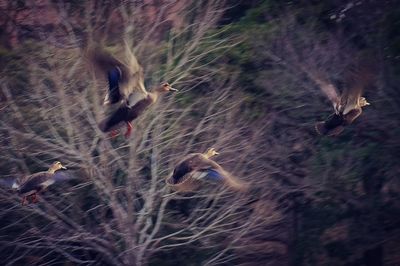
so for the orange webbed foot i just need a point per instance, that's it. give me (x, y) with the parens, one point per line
(34, 198)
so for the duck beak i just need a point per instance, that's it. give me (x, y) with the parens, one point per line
(367, 103)
(216, 153)
(63, 167)
(173, 89)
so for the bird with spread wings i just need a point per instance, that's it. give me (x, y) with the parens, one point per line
(347, 105)
(29, 186)
(197, 168)
(126, 91)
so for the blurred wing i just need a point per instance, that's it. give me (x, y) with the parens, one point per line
(102, 60)
(61, 176)
(207, 175)
(7, 182)
(219, 176)
(135, 75)
(356, 81)
(105, 60)
(326, 87)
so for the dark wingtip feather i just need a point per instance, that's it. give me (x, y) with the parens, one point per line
(7, 182)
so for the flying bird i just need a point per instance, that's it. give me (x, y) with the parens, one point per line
(30, 186)
(196, 168)
(347, 106)
(126, 91)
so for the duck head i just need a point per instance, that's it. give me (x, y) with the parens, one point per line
(363, 102)
(165, 87)
(211, 152)
(56, 166)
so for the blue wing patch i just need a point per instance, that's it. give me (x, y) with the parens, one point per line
(114, 77)
(213, 175)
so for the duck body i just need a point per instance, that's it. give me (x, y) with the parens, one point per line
(36, 183)
(336, 122)
(347, 105)
(129, 110)
(126, 114)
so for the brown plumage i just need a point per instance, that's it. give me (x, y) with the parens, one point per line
(126, 87)
(126, 113)
(29, 186)
(347, 106)
(196, 168)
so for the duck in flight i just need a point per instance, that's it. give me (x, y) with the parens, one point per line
(196, 168)
(29, 186)
(347, 106)
(126, 90)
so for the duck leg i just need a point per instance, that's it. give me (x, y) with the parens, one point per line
(34, 198)
(114, 133)
(128, 130)
(24, 200)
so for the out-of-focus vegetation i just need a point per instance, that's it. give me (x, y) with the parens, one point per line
(314, 200)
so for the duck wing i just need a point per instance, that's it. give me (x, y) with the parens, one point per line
(7, 182)
(198, 167)
(219, 176)
(34, 182)
(63, 175)
(134, 72)
(356, 81)
(325, 86)
(125, 75)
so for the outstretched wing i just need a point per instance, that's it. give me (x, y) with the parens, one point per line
(122, 68)
(63, 176)
(326, 87)
(135, 77)
(356, 81)
(7, 182)
(222, 176)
